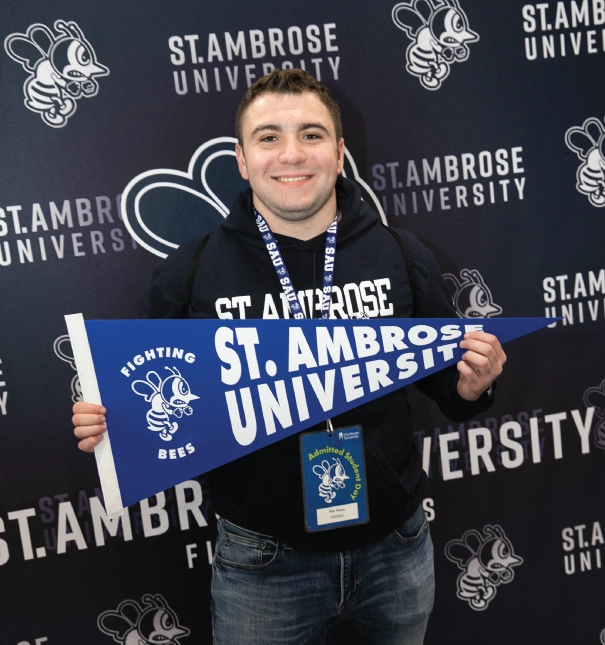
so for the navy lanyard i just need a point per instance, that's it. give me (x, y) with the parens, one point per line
(284, 276)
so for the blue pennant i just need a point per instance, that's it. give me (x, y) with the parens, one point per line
(186, 396)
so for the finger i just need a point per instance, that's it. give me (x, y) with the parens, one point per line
(488, 345)
(470, 384)
(465, 369)
(82, 407)
(490, 339)
(500, 353)
(88, 445)
(481, 363)
(479, 348)
(481, 335)
(82, 432)
(88, 419)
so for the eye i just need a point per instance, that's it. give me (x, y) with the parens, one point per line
(82, 55)
(167, 621)
(457, 24)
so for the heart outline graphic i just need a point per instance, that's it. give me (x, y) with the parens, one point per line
(195, 181)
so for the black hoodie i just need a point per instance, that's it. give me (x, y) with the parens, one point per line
(235, 278)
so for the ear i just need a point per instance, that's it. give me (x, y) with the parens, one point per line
(241, 161)
(341, 155)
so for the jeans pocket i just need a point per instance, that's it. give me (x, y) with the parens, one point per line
(413, 528)
(243, 549)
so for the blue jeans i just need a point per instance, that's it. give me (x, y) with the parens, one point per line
(266, 593)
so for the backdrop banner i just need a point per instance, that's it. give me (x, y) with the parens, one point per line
(475, 126)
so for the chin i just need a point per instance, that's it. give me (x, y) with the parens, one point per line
(293, 211)
(295, 214)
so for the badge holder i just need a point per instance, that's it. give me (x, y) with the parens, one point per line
(334, 478)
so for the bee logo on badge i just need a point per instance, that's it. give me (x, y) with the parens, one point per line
(332, 478)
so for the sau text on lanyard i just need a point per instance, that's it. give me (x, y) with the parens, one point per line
(284, 276)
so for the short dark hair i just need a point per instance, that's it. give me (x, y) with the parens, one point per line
(288, 81)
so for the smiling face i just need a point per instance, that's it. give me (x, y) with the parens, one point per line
(291, 158)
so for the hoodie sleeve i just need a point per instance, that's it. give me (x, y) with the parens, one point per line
(435, 301)
(168, 295)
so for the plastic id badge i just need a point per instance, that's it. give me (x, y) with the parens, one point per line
(334, 479)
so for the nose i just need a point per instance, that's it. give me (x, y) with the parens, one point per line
(292, 151)
(95, 68)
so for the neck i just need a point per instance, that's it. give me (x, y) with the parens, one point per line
(304, 229)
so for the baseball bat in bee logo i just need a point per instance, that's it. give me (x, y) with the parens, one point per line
(132, 624)
(588, 142)
(62, 68)
(440, 36)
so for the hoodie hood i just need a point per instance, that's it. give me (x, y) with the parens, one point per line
(357, 217)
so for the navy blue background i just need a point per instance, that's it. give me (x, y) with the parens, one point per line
(136, 123)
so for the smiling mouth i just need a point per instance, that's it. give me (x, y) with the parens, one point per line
(287, 179)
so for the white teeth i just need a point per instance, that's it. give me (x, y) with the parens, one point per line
(293, 178)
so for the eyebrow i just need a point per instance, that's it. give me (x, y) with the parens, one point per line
(313, 126)
(277, 128)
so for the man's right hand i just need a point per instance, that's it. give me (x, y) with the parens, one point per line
(89, 422)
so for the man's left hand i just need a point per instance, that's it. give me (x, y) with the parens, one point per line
(481, 364)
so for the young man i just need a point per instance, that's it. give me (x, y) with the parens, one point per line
(273, 582)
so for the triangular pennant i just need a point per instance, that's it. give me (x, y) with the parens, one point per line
(186, 396)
